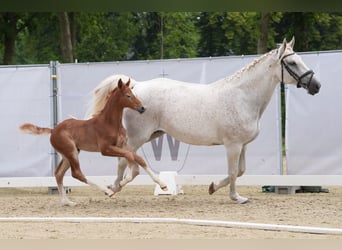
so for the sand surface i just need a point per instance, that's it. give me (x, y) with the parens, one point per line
(304, 209)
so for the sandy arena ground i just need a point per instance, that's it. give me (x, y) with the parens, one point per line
(303, 209)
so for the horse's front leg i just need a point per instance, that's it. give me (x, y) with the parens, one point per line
(234, 158)
(234, 164)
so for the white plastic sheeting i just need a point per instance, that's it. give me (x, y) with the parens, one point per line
(24, 97)
(76, 81)
(313, 124)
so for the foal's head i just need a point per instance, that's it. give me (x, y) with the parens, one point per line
(128, 99)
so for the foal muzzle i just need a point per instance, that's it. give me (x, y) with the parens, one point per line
(141, 109)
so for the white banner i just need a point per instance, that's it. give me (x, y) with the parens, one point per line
(76, 81)
(313, 123)
(24, 97)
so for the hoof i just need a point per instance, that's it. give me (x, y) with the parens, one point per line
(114, 189)
(211, 188)
(68, 203)
(110, 193)
(243, 200)
(164, 188)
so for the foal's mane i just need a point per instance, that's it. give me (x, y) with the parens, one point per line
(106, 100)
(102, 92)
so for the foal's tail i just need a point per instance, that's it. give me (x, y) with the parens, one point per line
(29, 128)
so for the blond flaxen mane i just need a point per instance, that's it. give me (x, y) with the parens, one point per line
(101, 93)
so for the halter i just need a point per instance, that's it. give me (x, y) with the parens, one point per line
(294, 75)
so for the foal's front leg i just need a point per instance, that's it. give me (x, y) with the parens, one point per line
(125, 156)
(149, 171)
(131, 158)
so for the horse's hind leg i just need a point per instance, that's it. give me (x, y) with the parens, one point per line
(62, 167)
(242, 162)
(120, 175)
(132, 172)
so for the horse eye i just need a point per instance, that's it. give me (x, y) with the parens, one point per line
(292, 63)
(128, 96)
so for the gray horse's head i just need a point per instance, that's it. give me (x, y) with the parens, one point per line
(294, 70)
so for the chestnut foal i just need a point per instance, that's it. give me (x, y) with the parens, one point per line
(103, 133)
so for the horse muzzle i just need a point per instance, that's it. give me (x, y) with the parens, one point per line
(314, 87)
(309, 82)
(141, 109)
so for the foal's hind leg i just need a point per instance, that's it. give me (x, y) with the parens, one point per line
(77, 173)
(63, 166)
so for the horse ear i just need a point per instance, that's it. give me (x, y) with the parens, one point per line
(129, 81)
(120, 83)
(291, 43)
(282, 48)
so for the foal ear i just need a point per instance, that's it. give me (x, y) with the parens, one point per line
(120, 83)
(129, 81)
(282, 48)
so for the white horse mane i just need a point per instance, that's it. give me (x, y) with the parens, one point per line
(238, 73)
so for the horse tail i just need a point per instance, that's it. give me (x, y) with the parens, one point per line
(32, 129)
(101, 92)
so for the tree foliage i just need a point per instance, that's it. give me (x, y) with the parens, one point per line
(165, 35)
(29, 38)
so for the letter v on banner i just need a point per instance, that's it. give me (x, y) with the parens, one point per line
(157, 146)
(165, 155)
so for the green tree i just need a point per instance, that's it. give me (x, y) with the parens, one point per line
(39, 42)
(227, 33)
(11, 24)
(105, 36)
(313, 31)
(266, 32)
(165, 35)
(147, 43)
(27, 38)
(180, 35)
(66, 37)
